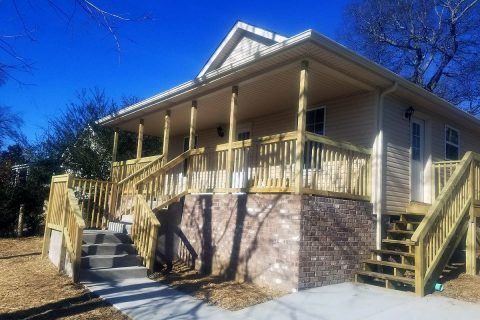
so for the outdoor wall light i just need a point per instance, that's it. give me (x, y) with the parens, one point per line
(409, 113)
(220, 132)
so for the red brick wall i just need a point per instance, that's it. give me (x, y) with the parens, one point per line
(336, 235)
(246, 237)
(286, 242)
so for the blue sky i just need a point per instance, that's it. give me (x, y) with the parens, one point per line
(155, 55)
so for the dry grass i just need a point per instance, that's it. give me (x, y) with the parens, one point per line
(464, 287)
(31, 287)
(230, 295)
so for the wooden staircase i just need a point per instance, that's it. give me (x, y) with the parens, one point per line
(393, 266)
(418, 247)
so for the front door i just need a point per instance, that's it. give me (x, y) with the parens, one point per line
(417, 163)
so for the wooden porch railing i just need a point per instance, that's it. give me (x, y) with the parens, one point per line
(336, 168)
(331, 168)
(96, 200)
(261, 165)
(126, 189)
(167, 184)
(73, 233)
(442, 171)
(64, 215)
(122, 169)
(445, 223)
(145, 231)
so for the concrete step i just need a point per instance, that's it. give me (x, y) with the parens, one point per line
(110, 261)
(107, 249)
(102, 236)
(113, 274)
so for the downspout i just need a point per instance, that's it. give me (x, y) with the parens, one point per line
(380, 163)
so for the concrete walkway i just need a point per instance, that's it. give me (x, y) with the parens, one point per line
(146, 299)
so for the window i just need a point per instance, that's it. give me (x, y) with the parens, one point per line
(243, 135)
(416, 140)
(451, 143)
(186, 142)
(315, 124)
(316, 120)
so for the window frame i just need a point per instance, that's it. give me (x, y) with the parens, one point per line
(451, 143)
(317, 107)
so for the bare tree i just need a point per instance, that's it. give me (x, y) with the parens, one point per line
(11, 60)
(10, 124)
(433, 43)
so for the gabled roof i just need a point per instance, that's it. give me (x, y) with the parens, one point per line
(310, 45)
(242, 41)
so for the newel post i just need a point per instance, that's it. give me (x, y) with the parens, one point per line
(471, 242)
(61, 263)
(301, 124)
(232, 131)
(420, 269)
(140, 139)
(166, 137)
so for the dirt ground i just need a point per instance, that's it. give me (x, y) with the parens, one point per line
(464, 287)
(31, 287)
(230, 295)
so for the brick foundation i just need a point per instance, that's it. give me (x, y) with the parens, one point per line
(336, 235)
(283, 241)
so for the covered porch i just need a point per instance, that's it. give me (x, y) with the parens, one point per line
(289, 129)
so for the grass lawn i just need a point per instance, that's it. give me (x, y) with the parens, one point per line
(31, 287)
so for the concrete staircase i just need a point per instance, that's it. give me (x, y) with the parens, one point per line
(108, 255)
(396, 267)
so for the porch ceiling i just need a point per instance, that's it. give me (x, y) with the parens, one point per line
(264, 94)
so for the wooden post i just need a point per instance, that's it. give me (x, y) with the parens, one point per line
(193, 124)
(191, 141)
(166, 136)
(471, 242)
(48, 231)
(140, 139)
(114, 152)
(419, 269)
(232, 131)
(61, 263)
(20, 220)
(301, 124)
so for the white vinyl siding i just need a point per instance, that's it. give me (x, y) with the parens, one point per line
(397, 148)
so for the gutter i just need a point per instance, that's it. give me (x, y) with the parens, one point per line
(380, 163)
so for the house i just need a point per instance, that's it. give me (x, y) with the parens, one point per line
(292, 162)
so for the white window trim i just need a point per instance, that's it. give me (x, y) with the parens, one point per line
(316, 107)
(445, 141)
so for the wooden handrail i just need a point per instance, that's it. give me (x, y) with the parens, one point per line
(440, 231)
(135, 160)
(337, 143)
(172, 163)
(157, 161)
(145, 231)
(434, 211)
